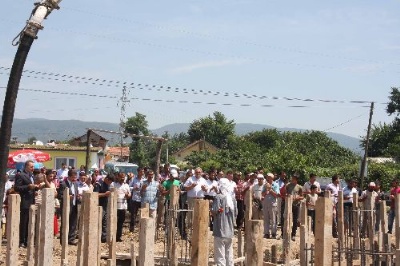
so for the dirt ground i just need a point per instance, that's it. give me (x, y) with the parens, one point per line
(128, 238)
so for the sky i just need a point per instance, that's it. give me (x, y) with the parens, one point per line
(296, 64)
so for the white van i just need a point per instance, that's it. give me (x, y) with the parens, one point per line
(122, 167)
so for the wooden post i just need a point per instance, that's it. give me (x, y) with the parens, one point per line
(323, 231)
(112, 226)
(248, 203)
(91, 200)
(273, 254)
(304, 234)
(146, 241)
(46, 235)
(13, 215)
(397, 220)
(341, 233)
(99, 230)
(30, 253)
(82, 240)
(240, 245)
(88, 142)
(382, 224)
(356, 226)
(288, 221)
(199, 252)
(133, 254)
(39, 226)
(388, 248)
(397, 259)
(171, 214)
(65, 227)
(254, 243)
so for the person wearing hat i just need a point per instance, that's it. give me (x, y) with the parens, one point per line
(368, 198)
(172, 180)
(224, 212)
(270, 193)
(257, 197)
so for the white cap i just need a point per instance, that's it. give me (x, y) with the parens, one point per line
(174, 173)
(271, 175)
(260, 176)
(372, 184)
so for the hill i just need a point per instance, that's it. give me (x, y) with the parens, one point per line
(45, 130)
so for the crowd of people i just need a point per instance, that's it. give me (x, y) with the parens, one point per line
(225, 191)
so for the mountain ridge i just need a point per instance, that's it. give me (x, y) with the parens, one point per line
(45, 130)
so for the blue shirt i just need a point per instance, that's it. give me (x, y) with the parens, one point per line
(150, 195)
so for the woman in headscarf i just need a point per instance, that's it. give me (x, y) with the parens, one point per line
(224, 212)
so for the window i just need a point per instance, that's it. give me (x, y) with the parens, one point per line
(69, 161)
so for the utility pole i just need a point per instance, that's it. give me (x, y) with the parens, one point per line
(364, 161)
(25, 40)
(167, 161)
(123, 101)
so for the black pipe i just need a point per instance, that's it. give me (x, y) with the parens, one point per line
(9, 107)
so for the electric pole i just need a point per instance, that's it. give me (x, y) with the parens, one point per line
(364, 161)
(123, 101)
(24, 41)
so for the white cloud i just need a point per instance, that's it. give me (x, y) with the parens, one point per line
(209, 64)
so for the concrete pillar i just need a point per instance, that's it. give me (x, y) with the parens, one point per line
(81, 228)
(171, 214)
(323, 232)
(145, 211)
(31, 251)
(254, 243)
(199, 252)
(90, 220)
(356, 225)
(39, 226)
(304, 235)
(341, 233)
(99, 227)
(65, 227)
(112, 226)
(397, 220)
(287, 226)
(14, 201)
(146, 241)
(46, 235)
(133, 254)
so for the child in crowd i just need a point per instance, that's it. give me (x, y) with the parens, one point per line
(311, 200)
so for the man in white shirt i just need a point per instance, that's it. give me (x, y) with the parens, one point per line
(123, 193)
(62, 173)
(334, 188)
(212, 185)
(257, 197)
(195, 186)
(135, 204)
(308, 184)
(348, 192)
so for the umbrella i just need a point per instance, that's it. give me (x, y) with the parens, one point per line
(25, 155)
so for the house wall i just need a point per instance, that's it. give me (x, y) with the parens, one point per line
(198, 147)
(79, 156)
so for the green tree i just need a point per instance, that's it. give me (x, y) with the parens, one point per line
(385, 138)
(31, 140)
(215, 129)
(138, 125)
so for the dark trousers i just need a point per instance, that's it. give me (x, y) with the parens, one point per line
(295, 213)
(240, 215)
(23, 226)
(182, 220)
(311, 213)
(120, 222)
(73, 223)
(135, 207)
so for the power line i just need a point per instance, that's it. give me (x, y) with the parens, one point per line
(159, 88)
(343, 123)
(219, 38)
(170, 101)
(219, 54)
